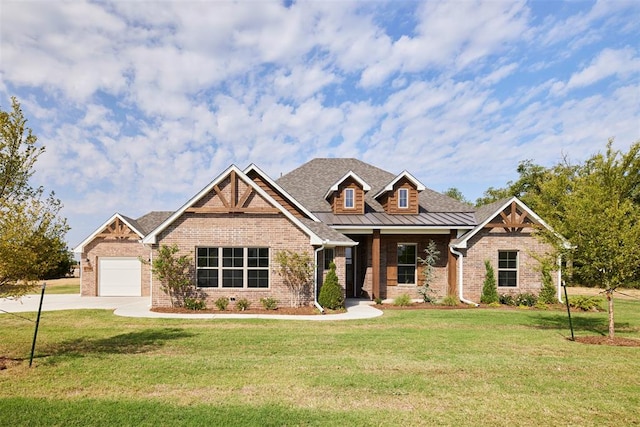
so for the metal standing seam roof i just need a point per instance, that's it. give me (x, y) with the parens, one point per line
(425, 219)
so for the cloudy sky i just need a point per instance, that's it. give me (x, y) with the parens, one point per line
(140, 104)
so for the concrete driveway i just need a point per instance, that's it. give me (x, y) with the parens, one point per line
(139, 307)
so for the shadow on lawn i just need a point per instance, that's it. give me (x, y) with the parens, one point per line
(129, 343)
(598, 325)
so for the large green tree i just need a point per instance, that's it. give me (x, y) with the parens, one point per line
(31, 228)
(596, 206)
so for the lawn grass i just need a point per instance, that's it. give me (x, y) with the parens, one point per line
(421, 367)
(69, 285)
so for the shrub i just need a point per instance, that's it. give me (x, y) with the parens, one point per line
(378, 300)
(494, 304)
(431, 255)
(507, 299)
(331, 293)
(586, 303)
(548, 291)
(243, 304)
(195, 303)
(402, 300)
(526, 299)
(269, 303)
(296, 270)
(541, 305)
(450, 301)
(174, 274)
(222, 303)
(489, 287)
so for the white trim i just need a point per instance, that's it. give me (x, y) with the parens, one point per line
(366, 187)
(389, 187)
(152, 236)
(80, 248)
(352, 192)
(463, 243)
(253, 167)
(406, 198)
(393, 229)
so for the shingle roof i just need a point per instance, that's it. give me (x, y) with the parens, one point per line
(310, 182)
(150, 221)
(484, 212)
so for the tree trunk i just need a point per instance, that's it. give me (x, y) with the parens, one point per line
(609, 294)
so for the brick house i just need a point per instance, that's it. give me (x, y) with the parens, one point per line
(372, 223)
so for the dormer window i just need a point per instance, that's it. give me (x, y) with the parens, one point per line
(403, 198)
(348, 198)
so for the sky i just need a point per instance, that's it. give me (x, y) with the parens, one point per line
(140, 104)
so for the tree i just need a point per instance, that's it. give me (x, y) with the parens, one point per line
(296, 270)
(331, 295)
(455, 193)
(29, 222)
(431, 256)
(174, 273)
(489, 288)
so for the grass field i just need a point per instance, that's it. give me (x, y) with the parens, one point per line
(420, 367)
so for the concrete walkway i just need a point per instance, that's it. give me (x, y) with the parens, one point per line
(139, 307)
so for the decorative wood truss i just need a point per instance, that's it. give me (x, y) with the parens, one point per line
(118, 230)
(512, 220)
(233, 201)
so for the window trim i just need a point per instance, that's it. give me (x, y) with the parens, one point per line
(245, 268)
(405, 199)
(349, 195)
(415, 264)
(515, 269)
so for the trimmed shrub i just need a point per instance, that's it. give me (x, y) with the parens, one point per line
(331, 293)
(222, 303)
(269, 303)
(450, 301)
(526, 299)
(507, 299)
(243, 304)
(489, 287)
(402, 300)
(586, 303)
(195, 303)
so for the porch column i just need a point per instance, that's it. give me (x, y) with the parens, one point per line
(375, 264)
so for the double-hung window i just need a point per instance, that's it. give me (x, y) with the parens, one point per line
(508, 268)
(406, 264)
(348, 198)
(219, 267)
(403, 198)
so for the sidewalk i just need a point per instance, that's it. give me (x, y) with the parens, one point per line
(139, 307)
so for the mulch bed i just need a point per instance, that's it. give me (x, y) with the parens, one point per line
(280, 310)
(605, 340)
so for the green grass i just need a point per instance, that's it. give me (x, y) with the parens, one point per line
(430, 367)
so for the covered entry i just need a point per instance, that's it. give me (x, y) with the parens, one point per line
(119, 277)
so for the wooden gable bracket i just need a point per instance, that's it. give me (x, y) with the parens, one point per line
(513, 221)
(235, 204)
(118, 230)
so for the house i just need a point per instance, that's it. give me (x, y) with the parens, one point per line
(375, 225)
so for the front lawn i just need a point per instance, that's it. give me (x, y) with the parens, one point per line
(416, 367)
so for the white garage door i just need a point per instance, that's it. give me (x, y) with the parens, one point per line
(119, 277)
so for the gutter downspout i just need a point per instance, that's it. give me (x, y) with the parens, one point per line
(315, 279)
(460, 278)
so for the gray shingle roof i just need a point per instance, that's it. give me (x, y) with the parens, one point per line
(484, 212)
(309, 183)
(150, 221)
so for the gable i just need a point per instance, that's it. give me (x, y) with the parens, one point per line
(512, 218)
(348, 190)
(390, 200)
(118, 230)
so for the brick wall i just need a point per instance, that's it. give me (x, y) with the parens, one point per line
(485, 246)
(274, 231)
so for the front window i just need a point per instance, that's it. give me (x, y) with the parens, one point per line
(406, 264)
(403, 198)
(508, 268)
(232, 267)
(348, 198)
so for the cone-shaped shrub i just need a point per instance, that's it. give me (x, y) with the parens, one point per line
(331, 292)
(489, 288)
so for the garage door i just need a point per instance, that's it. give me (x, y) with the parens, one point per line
(119, 277)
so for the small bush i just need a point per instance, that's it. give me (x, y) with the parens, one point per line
(195, 303)
(402, 300)
(541, 305)
(269, 303)
(222, 303)
(243, 304)
(507, 299)
(586, 303)
(494, 304)
(489, 287)
(378, 300)
(450, 301)
(548, 294)
(331, 292)
(526, 299)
